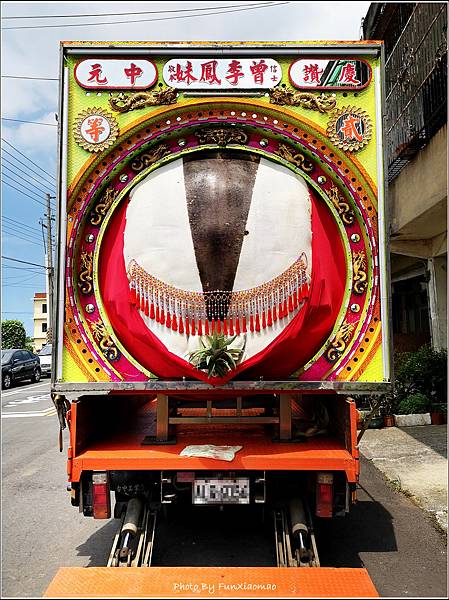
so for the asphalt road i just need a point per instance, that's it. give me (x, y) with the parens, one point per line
(396, 542)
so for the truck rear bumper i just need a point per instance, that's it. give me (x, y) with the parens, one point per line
(223, 582)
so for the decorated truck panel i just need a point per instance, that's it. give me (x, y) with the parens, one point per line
(228, 194)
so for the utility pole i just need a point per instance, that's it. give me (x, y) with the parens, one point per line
(50, 273)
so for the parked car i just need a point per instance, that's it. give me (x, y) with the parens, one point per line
(45, 358)
(18, 365)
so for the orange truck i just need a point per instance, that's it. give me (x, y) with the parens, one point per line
(221, 297)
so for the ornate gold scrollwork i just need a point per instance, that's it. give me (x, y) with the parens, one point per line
(124, 103)
(105, 341)
(343, 208)
(339, 343)
(360, 277)
(149, 157)
(85, 277)
(321, 102)
(221, 136)
(99, 211)
(296, 158)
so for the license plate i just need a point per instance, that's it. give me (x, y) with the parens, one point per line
(221, 491)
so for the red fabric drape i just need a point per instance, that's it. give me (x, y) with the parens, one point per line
(291, 349)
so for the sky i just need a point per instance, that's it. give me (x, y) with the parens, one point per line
(33, 51)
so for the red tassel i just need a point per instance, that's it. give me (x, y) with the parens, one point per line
(142, 304)
(162, 321)
(168, 320)
(270, 318)
(133, 296)
(231, 326)
(206, 327)
(290, 304)
(237, 326)
(275, 316)
(200, 327)
(181, 325)
(280, 312)
(257, 322)
(213, 326)
(295, 301)
(251, 323)
(158, 318)
(218, 326)
(146, 308)
(187, 326)
(174, 323)
(285, 308)
(225, 327)
(192, 327)
(244, 324)
(264, 320)
(152, 311)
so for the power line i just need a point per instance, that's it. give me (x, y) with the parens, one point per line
(35, 78)
(17, 171)
(223, 12)
(32, 162)
(25, 262)
(145, 12)
(24, 239)
(21, 184)
(32, 122)
(21, 268)
(19, 224)
(15, 229)
(21, 192)
(26, 166)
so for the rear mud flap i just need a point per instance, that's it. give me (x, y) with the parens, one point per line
(221, 582)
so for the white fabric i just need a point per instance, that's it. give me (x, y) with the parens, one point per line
(210, 451)
(157, 236)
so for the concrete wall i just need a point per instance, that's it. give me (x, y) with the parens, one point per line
(418, 227)
(418, 196)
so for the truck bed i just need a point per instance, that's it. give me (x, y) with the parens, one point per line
(122, 449)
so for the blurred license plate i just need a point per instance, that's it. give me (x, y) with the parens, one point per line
(221, 491)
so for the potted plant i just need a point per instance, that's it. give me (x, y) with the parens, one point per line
(413, 410)
(438, 413)
(387, 410)
(216, 356)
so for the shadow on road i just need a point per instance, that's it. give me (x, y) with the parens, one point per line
(367, 528)
(98, 545)
(434, 437)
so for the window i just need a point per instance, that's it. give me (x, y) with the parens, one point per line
(44, 327)
(44, 308)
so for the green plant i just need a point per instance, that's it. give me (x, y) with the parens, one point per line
(216, 357)
(423, 371)
(13, 334)
(414, 404)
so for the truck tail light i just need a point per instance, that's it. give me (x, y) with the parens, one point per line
(101, 496)
(324, 494)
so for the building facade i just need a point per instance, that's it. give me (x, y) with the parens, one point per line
(40, 320)
(416, 150)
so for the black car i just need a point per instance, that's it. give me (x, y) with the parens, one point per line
(18, 365)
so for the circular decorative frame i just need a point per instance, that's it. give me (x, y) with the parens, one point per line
(276, 135)
(354, 145)
(90, 146)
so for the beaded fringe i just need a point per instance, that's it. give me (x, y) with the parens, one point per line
(229, 313)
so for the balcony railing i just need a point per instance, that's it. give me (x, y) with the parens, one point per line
(416, 85)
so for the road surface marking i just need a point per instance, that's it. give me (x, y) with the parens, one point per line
(48, 412)
(24, 389)
(28, 400)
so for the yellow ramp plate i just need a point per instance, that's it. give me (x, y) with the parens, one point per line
(223, 582)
